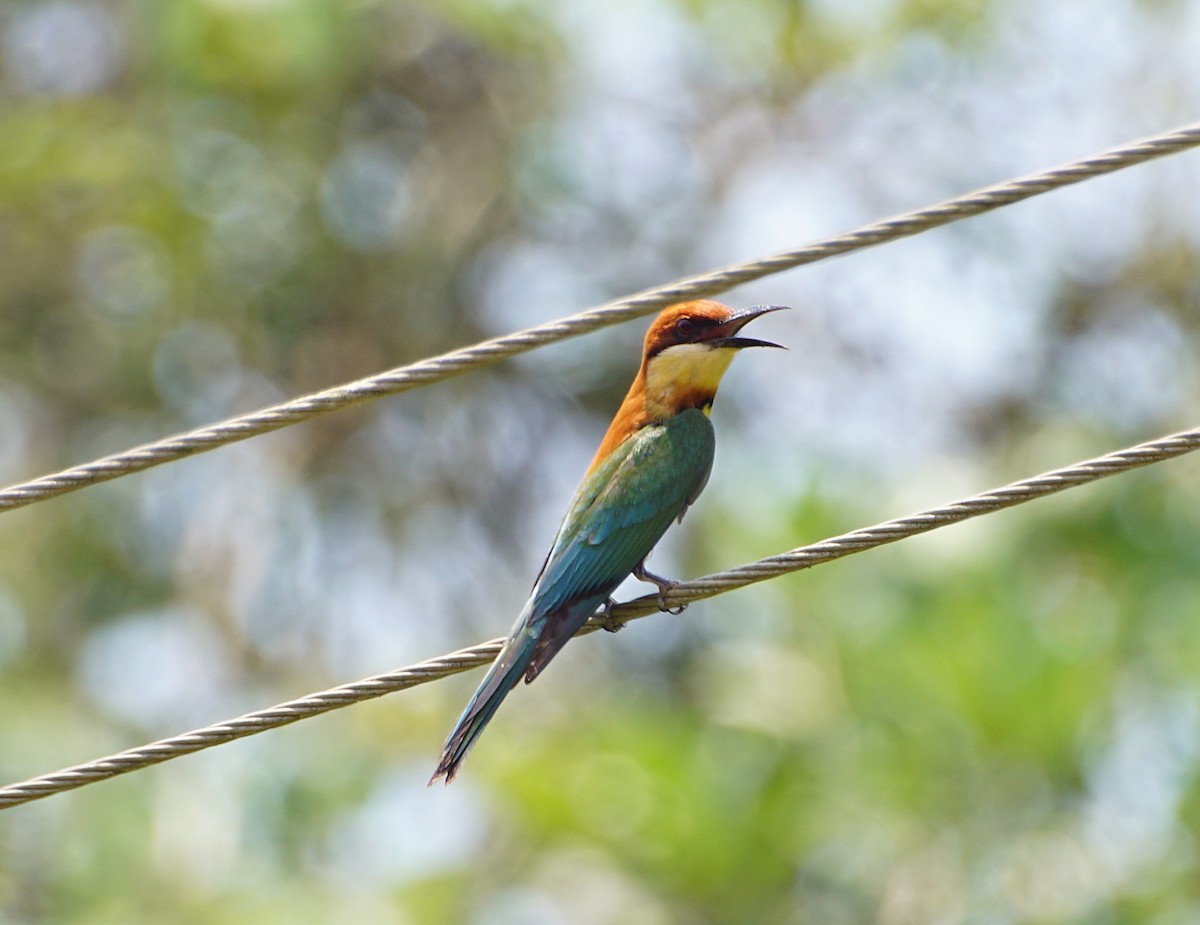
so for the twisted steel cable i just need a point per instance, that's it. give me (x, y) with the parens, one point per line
(708, 586)
(492, 351)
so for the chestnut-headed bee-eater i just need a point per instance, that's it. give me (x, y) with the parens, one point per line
(651, 465)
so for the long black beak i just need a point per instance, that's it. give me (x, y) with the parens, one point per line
(724, 334)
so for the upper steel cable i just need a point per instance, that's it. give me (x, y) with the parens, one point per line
(710, 585)
(488, 352)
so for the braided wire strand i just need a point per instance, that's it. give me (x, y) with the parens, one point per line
(708, 586)
(891, 531)
(486, 353)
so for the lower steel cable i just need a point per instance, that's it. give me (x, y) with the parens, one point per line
(710, 585)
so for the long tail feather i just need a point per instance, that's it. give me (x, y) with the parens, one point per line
(551, 640)
(501, 678)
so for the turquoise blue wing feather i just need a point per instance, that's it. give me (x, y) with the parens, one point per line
(620, 513)
(624, 507)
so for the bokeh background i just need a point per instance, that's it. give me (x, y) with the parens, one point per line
(207, 206)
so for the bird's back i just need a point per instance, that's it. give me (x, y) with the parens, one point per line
(618, 514)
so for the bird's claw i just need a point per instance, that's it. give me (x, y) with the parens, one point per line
(609, 621)
(667, 608)
(664, 586)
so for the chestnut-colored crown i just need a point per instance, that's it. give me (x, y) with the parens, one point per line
(685, 323)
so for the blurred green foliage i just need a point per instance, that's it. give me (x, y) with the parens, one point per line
(209, 205)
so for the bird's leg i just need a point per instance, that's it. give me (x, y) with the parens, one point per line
(641, 573)
(609, 622)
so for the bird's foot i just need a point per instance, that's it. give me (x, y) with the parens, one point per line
(609, 621)
(641, 573)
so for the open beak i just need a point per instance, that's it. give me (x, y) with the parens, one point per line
(725, 334)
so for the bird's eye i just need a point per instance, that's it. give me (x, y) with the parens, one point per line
(684, 327)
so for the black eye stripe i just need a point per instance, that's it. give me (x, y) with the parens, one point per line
(689, 328)
(682, 333)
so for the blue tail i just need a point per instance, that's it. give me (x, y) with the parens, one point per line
(536, 638)
(501, 678)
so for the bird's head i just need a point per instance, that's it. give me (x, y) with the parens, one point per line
(687, 350)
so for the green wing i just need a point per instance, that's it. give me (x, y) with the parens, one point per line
(622, 510)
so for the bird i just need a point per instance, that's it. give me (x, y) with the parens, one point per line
(650, 467)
